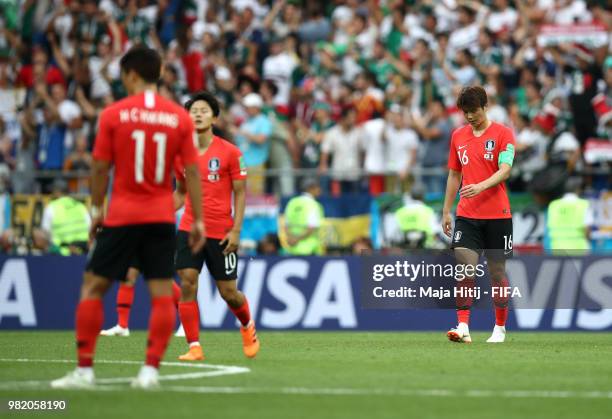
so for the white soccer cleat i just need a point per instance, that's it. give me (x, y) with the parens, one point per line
(498, 335)
(147, 378)
(79, 378)
(116, 331)
(460, 334)
(180, 332)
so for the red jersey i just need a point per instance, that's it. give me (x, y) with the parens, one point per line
(219, 165)
(142, 135)
(477, 159)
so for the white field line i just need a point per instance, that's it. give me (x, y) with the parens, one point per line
(300, 391)
(367, 392)
(214, 370)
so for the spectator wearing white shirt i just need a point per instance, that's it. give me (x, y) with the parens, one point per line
(567, 12)
(531, 145)
(402, 144)
(278, 67)
(495, 111)
(470, 17)
(463, 73)
(390, 149)
(502, 17)
(342, 143)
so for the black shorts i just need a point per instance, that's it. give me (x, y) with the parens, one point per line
(117, 248)
(221, 267)
(493, 236)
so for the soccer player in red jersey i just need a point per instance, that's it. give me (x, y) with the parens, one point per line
(125, 299)
(480, 159)
(140, 137)
(222, 173)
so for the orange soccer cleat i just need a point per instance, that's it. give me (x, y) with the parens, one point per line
(195, 353)
(250, 342)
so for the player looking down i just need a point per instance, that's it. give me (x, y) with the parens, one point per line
(480, 158)
(222, 173)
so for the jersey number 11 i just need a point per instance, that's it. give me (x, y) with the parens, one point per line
(160, 139)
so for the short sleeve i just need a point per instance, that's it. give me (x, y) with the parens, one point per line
(103, 146)
(589, 218)
(412, 140)
(47, 219)
(238, 170)
(453, 159)
(327, 145)
(264, 127)
(314, 219)
(188, 153)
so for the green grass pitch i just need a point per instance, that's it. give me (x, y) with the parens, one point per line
(328, 375)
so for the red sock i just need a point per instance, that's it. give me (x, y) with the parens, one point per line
(242, 313)
(176, 294)
(190, 317)
(500, 300)
(89, 319)
(125, 298)
(161, 324)
(464, 303)
(463, 316)
(501, 315)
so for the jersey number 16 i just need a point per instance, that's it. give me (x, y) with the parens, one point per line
(463, 157)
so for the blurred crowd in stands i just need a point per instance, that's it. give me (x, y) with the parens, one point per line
(361, 92)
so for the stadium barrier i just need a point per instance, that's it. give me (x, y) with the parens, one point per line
(349, 217)
(313, 294)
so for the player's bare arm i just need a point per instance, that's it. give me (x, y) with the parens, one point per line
(99, 185)
(498, 177)
(232, 238)
(253, 138)
(179, 195)
(452, 187)
(197, 236)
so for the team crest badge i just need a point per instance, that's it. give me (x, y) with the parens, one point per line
(489, 147)
(214, 164)
(457, 236)
(213, 168)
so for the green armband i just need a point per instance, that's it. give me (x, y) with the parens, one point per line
(506, 156)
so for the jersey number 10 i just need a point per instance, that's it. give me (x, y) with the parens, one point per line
(160, 163)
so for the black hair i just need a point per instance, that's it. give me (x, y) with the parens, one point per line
(271, 85)
(472, 98)
(146, 62)
(206, 97)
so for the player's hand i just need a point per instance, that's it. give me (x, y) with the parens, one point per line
(447, 224)
(231, 242)
(197, 237)
(469, 191)
(96, 225)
